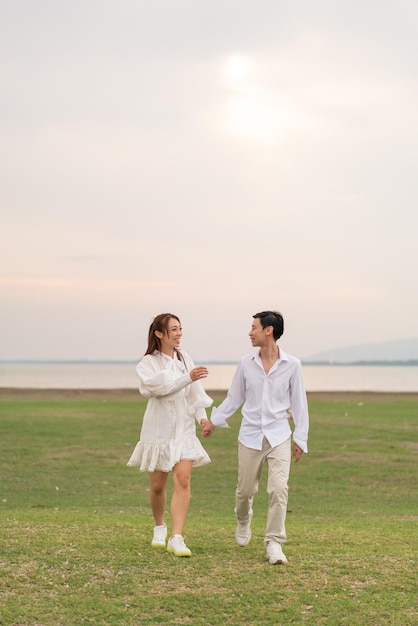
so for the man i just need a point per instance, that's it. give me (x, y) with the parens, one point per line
(270, 384)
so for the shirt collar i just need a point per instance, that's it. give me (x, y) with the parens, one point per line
(283, 356)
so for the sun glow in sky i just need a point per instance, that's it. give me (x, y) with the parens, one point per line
(237, 68)
(254, 109)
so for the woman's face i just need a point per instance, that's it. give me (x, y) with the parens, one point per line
(171, 339)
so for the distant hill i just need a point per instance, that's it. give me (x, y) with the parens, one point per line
(400, 350)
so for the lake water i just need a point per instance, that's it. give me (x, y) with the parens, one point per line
(123, 376)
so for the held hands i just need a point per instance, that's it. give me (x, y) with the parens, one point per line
(207, 427)
(198, 373)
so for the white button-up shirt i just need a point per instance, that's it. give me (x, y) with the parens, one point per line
(269, 401)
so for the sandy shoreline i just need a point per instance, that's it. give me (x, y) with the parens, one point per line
(217, 394)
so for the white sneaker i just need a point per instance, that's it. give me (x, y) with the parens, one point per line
(243, 532)
(274, 553)
(160, 536)
(177, 546)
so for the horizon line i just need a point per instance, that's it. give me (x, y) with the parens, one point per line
(358, 362)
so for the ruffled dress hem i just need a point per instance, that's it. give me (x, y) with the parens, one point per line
(151, 457)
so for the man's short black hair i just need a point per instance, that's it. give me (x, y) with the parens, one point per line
(271, 318)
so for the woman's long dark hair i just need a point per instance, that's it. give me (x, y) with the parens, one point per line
(160, 324)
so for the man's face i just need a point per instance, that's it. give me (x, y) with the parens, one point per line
(257, 333)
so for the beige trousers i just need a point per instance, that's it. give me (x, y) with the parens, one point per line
(250, 464)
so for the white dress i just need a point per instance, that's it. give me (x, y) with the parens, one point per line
(168, 432)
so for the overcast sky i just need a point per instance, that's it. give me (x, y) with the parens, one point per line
(210, 159)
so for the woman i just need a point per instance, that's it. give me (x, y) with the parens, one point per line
(168, 439)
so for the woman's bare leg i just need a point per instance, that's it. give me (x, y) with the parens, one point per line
(157, 495)
(181, 495)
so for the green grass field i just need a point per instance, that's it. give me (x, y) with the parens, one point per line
(75, 523)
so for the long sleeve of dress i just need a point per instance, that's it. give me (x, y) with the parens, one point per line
(197, 398)
(159, 383)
